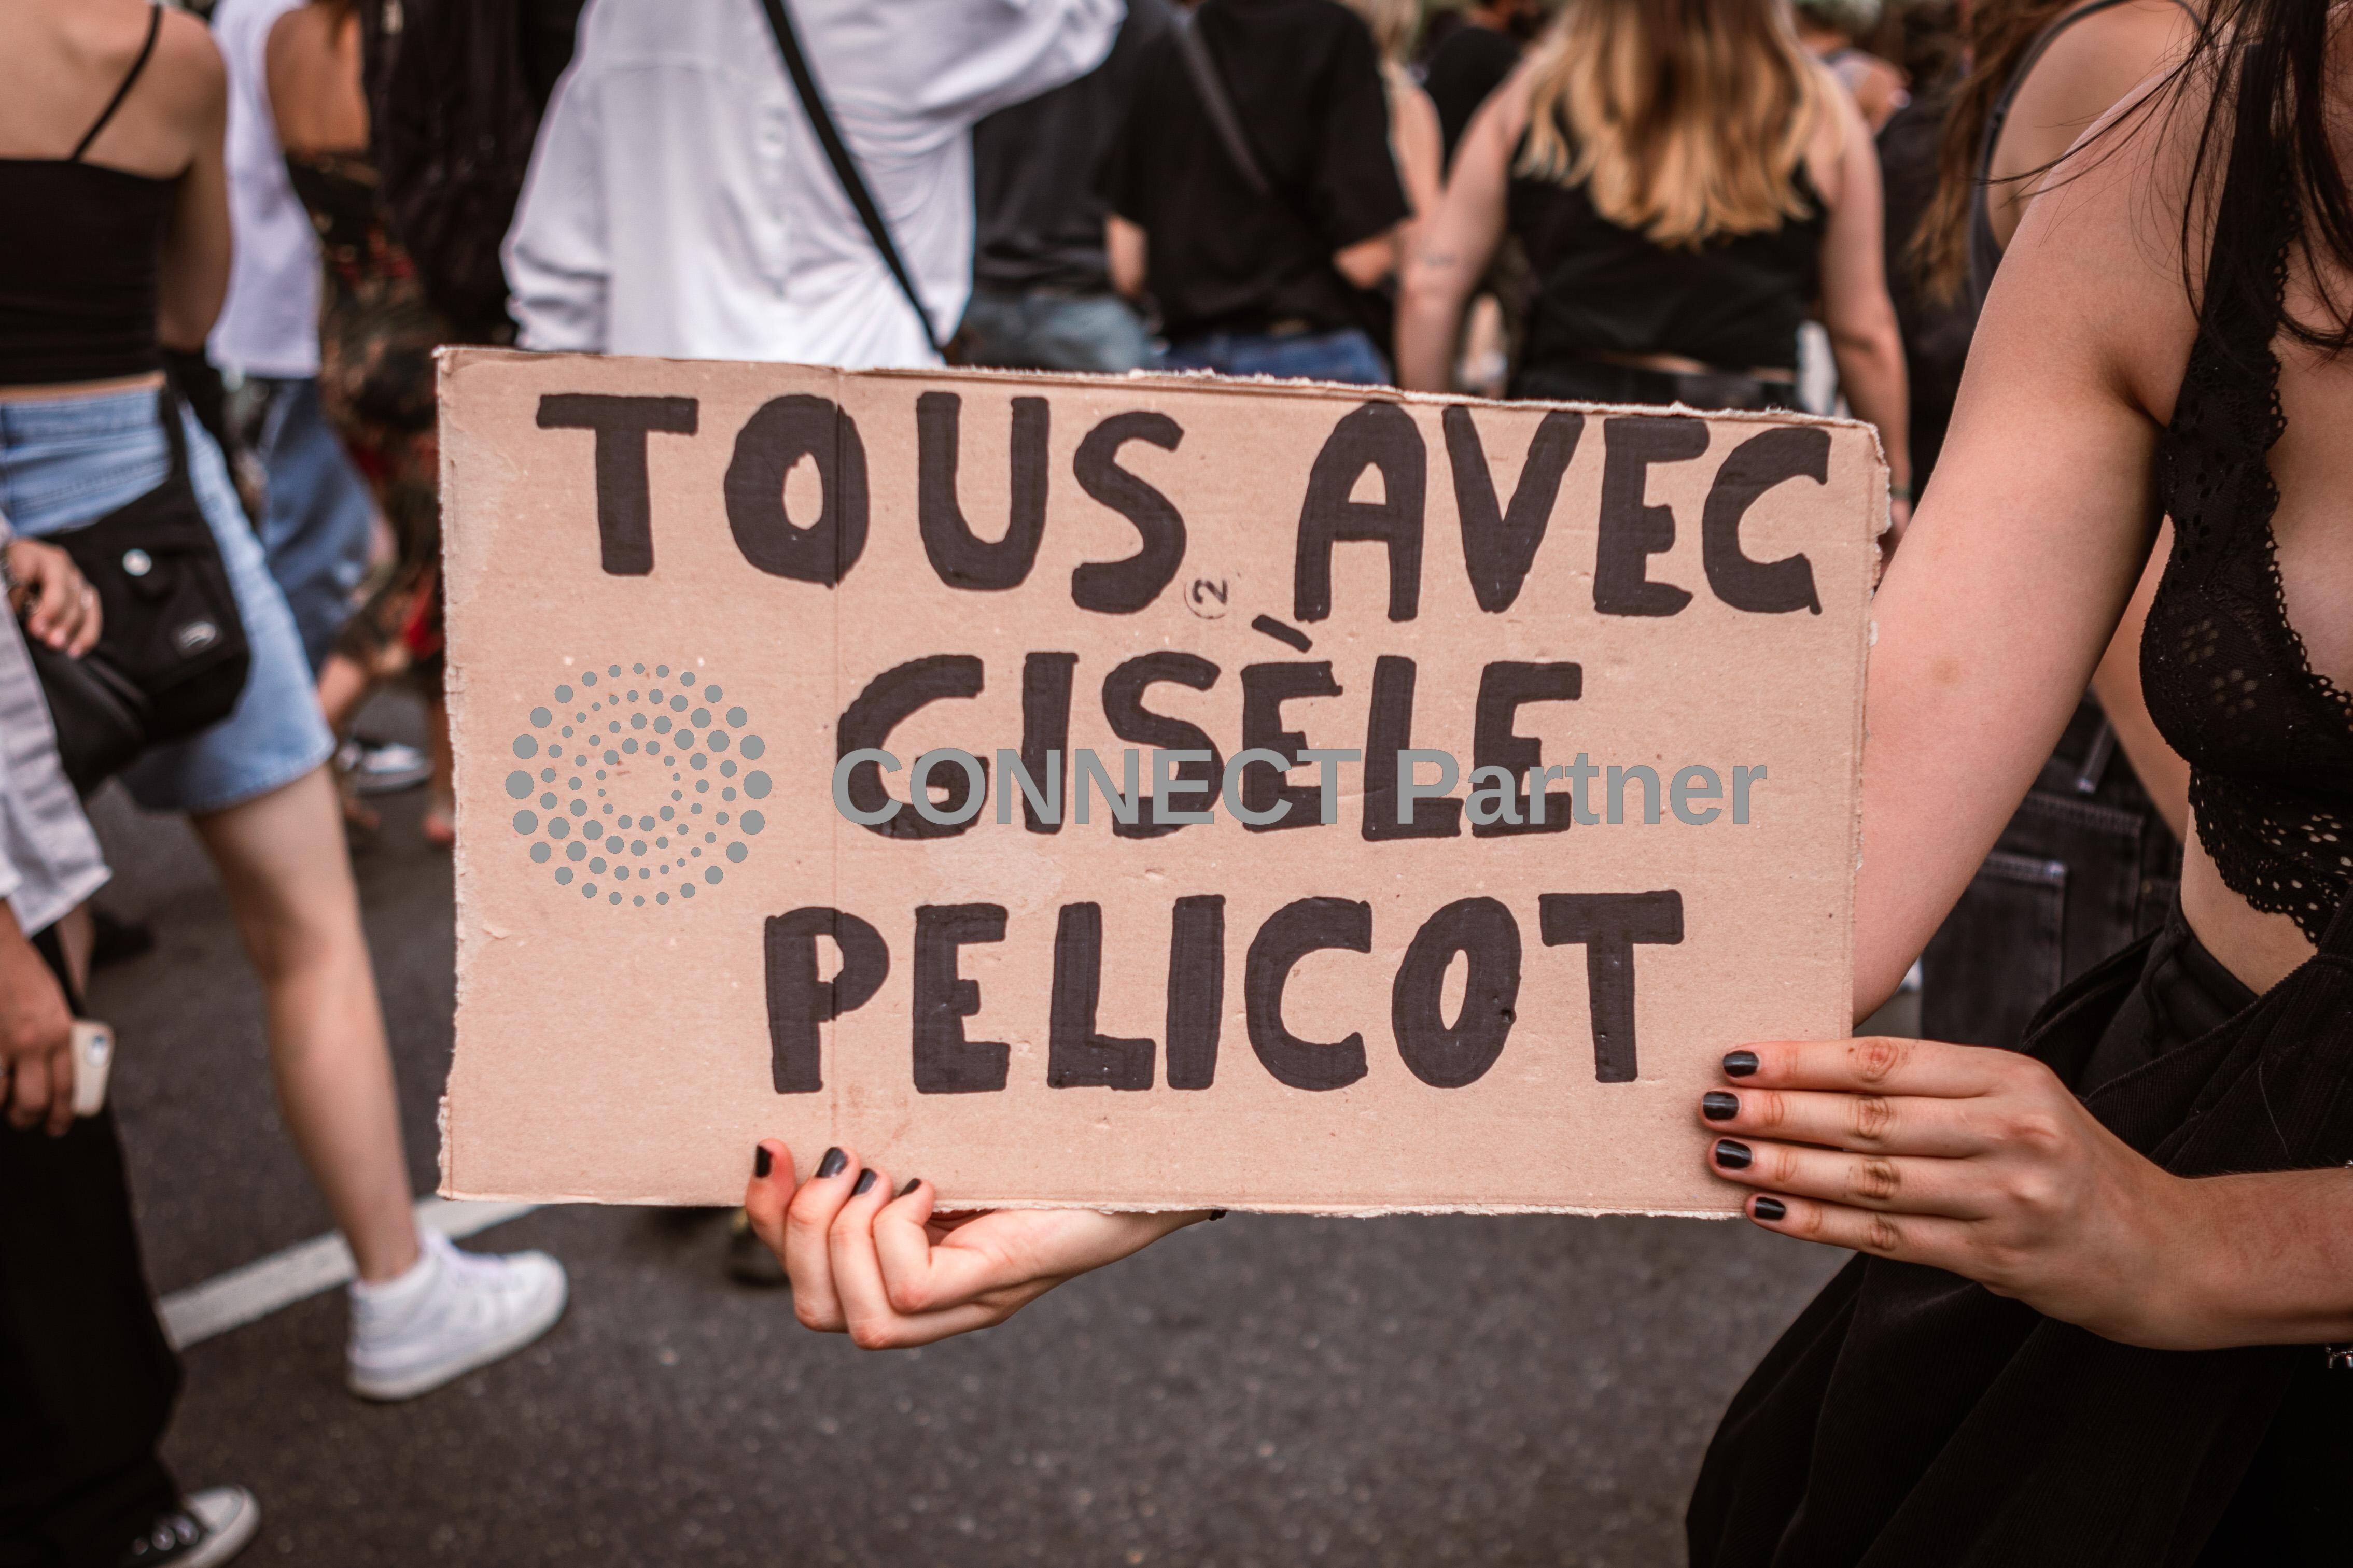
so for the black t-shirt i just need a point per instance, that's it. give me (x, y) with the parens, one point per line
(1307, 83)
(1039, 218)
(1470, 64)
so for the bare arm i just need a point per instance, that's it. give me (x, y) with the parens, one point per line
(195, 271)
(2022, 558)
(1368, 261)
(1125, 244)
(1856, 309)
(1453, 248)
(1419, 147)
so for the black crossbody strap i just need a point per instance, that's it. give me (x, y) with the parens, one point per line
(845, 167)
(1211, 89)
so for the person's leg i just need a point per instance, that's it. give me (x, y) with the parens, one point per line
(255, 787)
(283, 862)
(343, 684)
(87, 1378)
(440, 824)
(318, 520)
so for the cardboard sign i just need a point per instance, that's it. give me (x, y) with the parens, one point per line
(709, 623)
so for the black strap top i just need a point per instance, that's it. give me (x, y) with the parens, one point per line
(2269, 741)
(78, 284)
(1734, 302)
(1984, 251)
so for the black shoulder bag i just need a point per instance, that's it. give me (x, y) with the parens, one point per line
(1218, 104)
(844, 166)
(172, 657)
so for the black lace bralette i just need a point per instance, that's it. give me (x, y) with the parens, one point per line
(2269, 742)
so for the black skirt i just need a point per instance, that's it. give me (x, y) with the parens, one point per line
(1911, 1417)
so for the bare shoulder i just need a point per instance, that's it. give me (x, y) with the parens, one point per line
(2111, 249)
(2089, 66)
(1839, 138)
(188, 68)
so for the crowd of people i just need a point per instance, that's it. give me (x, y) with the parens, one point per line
(2108, 782)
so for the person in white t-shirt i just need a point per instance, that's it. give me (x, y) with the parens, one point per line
(678, 204)
(315, 518)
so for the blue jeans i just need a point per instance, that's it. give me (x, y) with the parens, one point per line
(67, 461)
(1346, 356)
(317, 520)
(1047, 330)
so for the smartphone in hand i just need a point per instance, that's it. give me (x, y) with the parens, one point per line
(93, 1058)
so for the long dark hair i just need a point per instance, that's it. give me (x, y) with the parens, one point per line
(2265, 146)
(2262, 149)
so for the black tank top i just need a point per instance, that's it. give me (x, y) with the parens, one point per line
(2269, 741)
(1985, 250)
(80, 270)
(1734, 303)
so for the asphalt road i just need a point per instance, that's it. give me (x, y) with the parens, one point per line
(1264, 1390)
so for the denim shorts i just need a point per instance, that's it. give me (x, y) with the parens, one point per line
(1347, 356)
(317, 521)
(68, 461)
(1044, 330)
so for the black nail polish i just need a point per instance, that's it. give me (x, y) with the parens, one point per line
(1217, 1214)
(762, 1161)
(1739, 1064)
(865, 1185)
(1733, 1154)
(1719, 1106)
(913, 1183)
(1770, 1208)
(833, 1165)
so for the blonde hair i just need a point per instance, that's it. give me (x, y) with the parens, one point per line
(1393, 24)
(1686, 119)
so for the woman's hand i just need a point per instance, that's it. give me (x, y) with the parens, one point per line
(1968, 1159)
(64, 607)
(874, 1262)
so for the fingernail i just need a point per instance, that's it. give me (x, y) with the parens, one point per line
(1719, 1106)
(1733, 1154)
(1768, 1208)
(762, 1161)
(1739, 1064)
(833, 1165)
(913, 1183)
(865, 1185)
(1217, 1214)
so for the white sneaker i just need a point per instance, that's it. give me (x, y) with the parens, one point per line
(209, 1529)
(452, 1313)
(382, 767)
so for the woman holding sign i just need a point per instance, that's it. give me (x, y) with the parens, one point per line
(2096, 1277)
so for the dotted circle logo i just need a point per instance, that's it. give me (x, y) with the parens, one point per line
(639, 788)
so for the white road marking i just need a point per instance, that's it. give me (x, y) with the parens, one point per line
(248, 1294)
